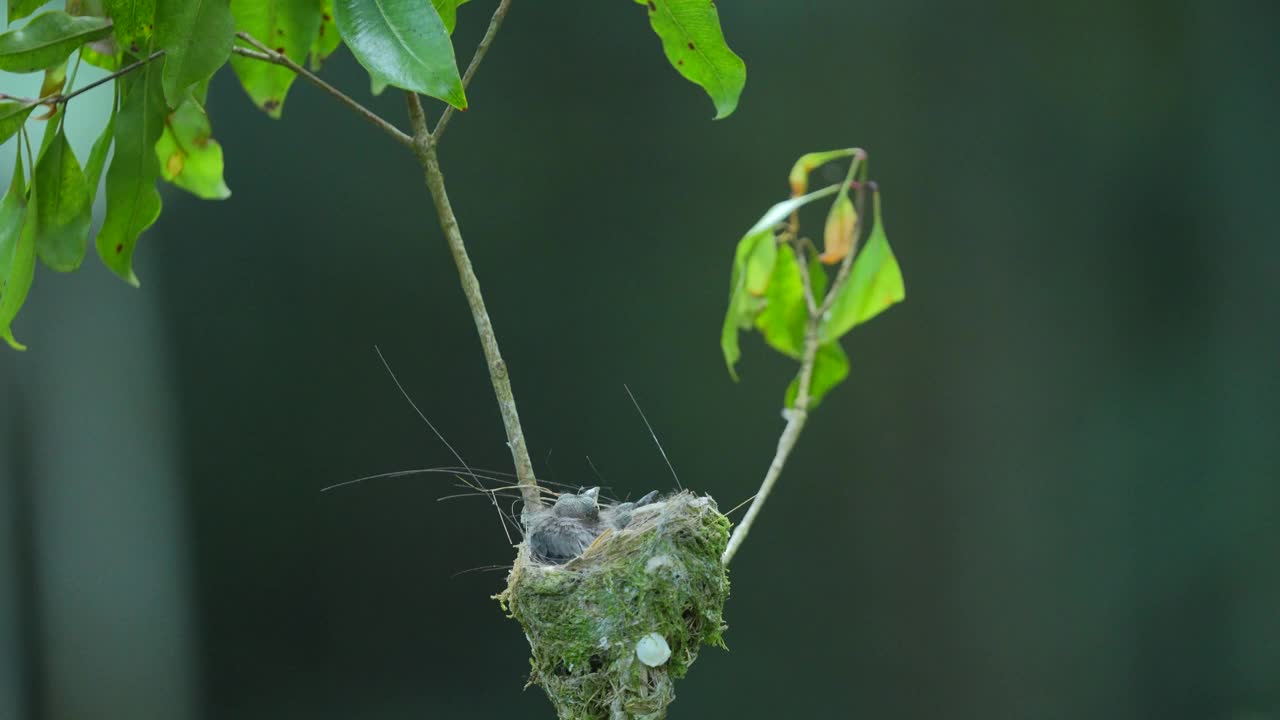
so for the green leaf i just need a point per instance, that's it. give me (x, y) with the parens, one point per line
(63, 210)
(17, 253)
(189, 157)
(196, 36)
(695, 46)
(13, 115)
(13, 209)
(448, 10)
(402, 43)
(288, 26)
(98, 156)
(753, 258)
(744, 306)
(47, 40)
(134, 22)
(786, 313)
(19, 9)
(327, 38)
(809, 162)
(133, 203)
(874, 284)
(830, 368)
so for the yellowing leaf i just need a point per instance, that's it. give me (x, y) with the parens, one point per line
(838, 235)
(809, 162)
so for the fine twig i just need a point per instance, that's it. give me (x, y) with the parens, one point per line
(62, 98)
(798, 413)
(481, 49)
(266, 54)
(425, 150)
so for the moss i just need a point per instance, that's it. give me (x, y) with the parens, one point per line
(661, 574)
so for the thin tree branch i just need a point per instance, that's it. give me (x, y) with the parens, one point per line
(498, 16)
(425, 150)
(266, 54)
(799, 412)
(61, 98)
(796, 417)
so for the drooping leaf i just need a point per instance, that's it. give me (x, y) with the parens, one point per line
(47, 40)
(12, 116)
(744, 305)
(874, 284)
(62, 211)
(189, 156)
(98, 156)
(13, 210)
(288, 26)
(695, 46)
(134, 23)
(785, 316)
(838, 233)
(830, 368)
(799, 176)
(402, 43)
(760, 261)
(17, 253)
(133, 203)
(196, 36)
(327, 37)
(19, 9)
(448, 10)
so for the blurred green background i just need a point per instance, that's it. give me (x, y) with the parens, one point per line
(1050, 489)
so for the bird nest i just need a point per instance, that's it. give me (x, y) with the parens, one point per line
(614, 625)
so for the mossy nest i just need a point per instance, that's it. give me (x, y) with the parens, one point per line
(612, 629)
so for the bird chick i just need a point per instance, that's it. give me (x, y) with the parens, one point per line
(566, 529)
(561, 533)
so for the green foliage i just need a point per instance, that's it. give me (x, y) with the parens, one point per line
(13, 114)
(162, 53)
(875, 283)
(288, 26)
(189, 156)
(47, 40)
(695, 46)
(17, 251)
(196, 36)
(19, 9)
(753, 261)
(327, 37)
(132, 201)
(63, 210)
(135, 21)
(98, 155)
(403, 43)
(830, 368)
(864, 285)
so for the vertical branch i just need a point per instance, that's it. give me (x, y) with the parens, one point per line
(799, 412)
(425, 151)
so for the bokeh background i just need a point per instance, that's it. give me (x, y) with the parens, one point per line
(1050, 489)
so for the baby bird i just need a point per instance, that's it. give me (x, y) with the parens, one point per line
(564, 531)
(560, 534)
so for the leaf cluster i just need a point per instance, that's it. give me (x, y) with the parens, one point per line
(782, 287)
(160, 56)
